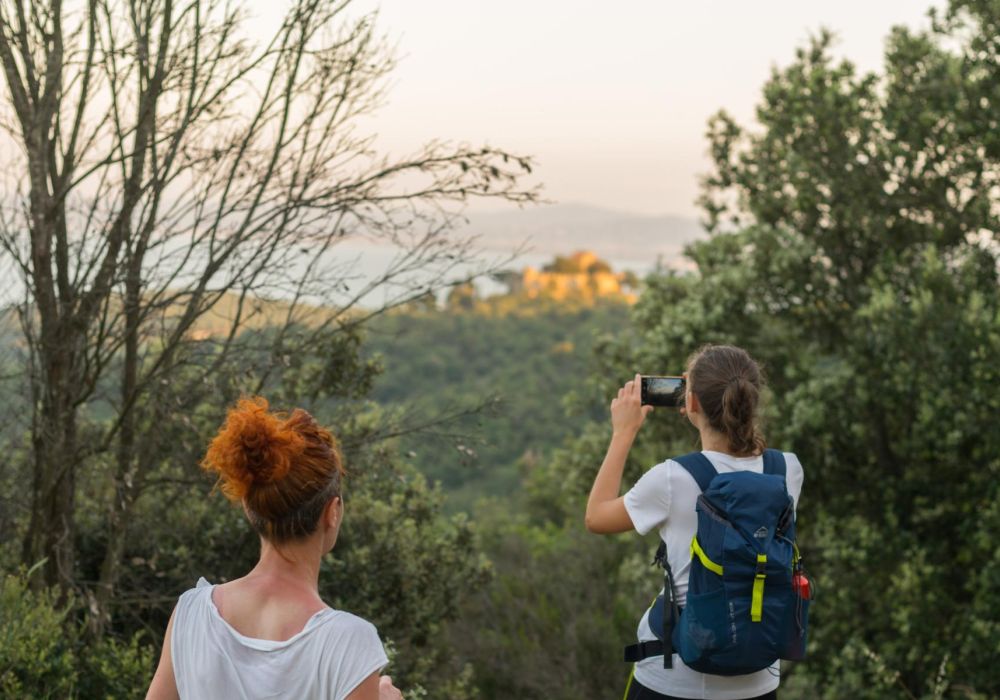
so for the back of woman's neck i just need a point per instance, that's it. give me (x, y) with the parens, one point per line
(712, 441)
(292, 564)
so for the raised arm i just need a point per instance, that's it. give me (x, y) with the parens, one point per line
(606, 512)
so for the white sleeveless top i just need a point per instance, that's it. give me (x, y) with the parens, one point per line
(328, 659)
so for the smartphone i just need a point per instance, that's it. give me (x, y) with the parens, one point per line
(663, 391)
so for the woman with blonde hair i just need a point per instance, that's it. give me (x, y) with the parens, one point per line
(269, 634)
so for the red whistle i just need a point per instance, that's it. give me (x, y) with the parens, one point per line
(800, 584)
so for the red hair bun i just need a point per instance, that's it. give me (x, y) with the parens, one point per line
(253, 448)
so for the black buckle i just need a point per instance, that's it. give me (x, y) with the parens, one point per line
(761, 567)
(660, 556)
(643, 650)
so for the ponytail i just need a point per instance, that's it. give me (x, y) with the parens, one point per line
(728, 384)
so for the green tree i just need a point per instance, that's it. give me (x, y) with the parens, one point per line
(854, 253)
(542, 629)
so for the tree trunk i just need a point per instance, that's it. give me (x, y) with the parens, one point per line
(51, 533)
(126, 473)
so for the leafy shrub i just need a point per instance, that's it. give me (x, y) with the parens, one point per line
(36, 658)
(44, 652)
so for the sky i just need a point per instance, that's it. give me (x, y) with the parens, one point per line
(612, 99)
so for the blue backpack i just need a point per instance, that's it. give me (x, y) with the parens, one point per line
(742, 612)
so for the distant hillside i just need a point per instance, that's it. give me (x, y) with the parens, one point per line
(611, 234)
(529, 354)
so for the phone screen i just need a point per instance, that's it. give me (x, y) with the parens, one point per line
(663, 391)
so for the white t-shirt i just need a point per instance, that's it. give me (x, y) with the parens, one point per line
(665, 498)
(328, 659)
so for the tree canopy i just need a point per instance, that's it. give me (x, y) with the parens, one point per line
(854, 253)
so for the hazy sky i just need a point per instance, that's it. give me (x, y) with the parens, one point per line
(611, 98)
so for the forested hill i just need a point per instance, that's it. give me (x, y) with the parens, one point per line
(511, 358)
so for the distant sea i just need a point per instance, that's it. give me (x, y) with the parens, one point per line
(625, 241)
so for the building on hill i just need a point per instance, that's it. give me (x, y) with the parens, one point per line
(582, 261)
(581, 276)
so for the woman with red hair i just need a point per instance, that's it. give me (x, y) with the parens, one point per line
(268, 634)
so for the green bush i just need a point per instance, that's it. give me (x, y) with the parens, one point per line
(36, 658)
(44, 652)
(113, 669)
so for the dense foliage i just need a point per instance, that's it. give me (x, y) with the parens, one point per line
(44, 654)
(400, 561)
(854, 252)
(511, 357)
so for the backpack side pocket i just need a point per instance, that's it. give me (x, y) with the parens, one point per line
(796, 630)
(703, 628)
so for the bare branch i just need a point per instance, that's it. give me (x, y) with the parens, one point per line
(189, 201)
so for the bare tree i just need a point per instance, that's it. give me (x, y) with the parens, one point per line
(163, 167)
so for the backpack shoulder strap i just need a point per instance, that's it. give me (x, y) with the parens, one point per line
(774, 462)
(697, 465)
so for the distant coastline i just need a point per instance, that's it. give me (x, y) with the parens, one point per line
(556, 229)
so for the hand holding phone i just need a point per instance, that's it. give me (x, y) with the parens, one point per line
(627, 411)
